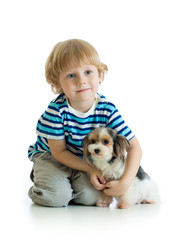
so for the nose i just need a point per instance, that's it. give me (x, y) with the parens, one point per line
(97, 150)
(81, 80)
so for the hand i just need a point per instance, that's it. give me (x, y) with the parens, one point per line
(115, 188)
(97, 179)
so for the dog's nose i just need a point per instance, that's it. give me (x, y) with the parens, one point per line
(97, 150)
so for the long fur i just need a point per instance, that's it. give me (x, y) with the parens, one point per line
(107, 151)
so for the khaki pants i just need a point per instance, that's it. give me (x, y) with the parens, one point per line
(55, 185)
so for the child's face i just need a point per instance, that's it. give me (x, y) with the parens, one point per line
(80, 84)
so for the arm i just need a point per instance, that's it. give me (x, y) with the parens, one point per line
(117, 188)
(61, 154)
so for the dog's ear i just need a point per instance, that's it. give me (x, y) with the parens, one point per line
(84, 141)
(86, 153)
(112, 133)
(121, 146)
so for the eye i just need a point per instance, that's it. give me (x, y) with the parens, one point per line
(105, 141)
(93, 141)
(71, 75)
(88, 72)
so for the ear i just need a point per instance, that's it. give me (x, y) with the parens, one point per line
(84, 141)
(121, 146)
(56, 84)
(100, 77)
(86, 153)
(112, 133)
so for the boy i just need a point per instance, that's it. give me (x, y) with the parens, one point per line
(60, 176)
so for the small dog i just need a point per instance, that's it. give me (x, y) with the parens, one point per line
(107, 151)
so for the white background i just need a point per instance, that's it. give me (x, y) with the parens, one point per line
(147, 46)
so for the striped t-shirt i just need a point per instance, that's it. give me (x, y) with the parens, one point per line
(60, 121)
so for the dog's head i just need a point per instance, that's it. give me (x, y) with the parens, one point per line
(104, 144)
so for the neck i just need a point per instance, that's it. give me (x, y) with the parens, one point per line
(81, 106)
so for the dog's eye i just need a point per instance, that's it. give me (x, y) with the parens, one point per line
(105, 141)
(92, 141)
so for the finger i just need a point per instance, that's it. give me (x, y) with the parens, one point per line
(102, 182)
(101, 179)
(108, 185)
(100, 187)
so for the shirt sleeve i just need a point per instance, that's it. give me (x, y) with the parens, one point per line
(50, 124)
(117, 123)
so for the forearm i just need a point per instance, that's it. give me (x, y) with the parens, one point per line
(71, 160)
(132, 163)
(119, 187)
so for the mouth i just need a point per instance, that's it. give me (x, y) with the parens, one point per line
(83, 90)
(96, 156)
(99, 155)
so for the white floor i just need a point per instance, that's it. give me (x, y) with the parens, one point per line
(167, 220)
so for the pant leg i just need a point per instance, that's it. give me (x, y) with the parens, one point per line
(84, 191)
(51, 182)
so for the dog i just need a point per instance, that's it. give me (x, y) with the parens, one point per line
(107, 151)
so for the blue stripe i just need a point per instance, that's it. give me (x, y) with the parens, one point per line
(126, 135)
(49, 120)
(49, 133)
(53, 108)
(52, 115)
(103, 109)
(111, 104)
(95, 116)
(77, 154)
(45, 147)
(122, 131)
(40, 124)
(82, 130)
(61, 107)
(115, 112)
(77, 133)
(61, 96)
(115, 120)
(118, 125)
(75, 146)
(29, 153)
(132, 137)
(38, 144)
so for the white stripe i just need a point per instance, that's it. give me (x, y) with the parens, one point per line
(50, 136)
(130, 136)
(48, 124)
(73, 150)
(53, 112)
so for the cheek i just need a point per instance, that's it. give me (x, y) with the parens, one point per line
(67, 87)
(91, 148)
(109, 148)
(94, 82)
(106, 150)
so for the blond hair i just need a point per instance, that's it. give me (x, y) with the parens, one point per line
(70, 54)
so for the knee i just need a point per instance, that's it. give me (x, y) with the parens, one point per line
(51, 196)
(88, 197)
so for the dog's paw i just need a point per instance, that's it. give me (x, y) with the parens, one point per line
(123, 205)
(147, 202)
(103, 203)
